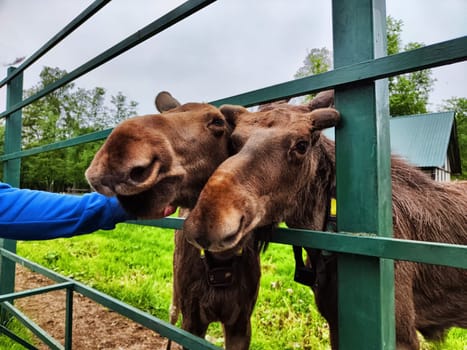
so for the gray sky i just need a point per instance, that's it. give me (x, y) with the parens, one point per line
(230, 47)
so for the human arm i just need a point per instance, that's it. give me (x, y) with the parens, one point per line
(38, 215)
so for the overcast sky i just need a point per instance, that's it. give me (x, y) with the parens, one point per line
(229, 47)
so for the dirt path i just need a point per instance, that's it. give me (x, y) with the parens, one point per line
(94, 327)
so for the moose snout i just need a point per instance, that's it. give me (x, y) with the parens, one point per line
(112, 179)
(201, 242)
(102, 185)
(214, 230)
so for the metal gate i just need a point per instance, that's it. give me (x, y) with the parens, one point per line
(365, 259)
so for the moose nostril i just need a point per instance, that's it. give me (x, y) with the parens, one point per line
(230, 239)
(203, 242)
(104, 187)
(139, 173)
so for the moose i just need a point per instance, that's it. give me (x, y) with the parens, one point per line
(155, 163)
(158, 162)
(284, 170)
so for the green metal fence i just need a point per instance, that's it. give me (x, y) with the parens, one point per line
(362, 98)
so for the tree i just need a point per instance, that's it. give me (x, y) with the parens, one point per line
(316, 61)
(408, 93)
(393, 37)
(122, 108)
(459, 106)
(66, 113)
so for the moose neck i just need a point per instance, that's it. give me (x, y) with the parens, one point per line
(314, 198)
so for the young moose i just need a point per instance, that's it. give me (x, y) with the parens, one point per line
(285, 171)
(155, 163)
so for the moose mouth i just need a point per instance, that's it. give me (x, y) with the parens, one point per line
(154, 203)
(169, 210)
(140, 206)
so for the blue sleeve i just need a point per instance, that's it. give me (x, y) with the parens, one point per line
(37, 215)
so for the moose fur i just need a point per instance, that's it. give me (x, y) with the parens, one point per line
(201, 302)
(155, 163)
(285, 171)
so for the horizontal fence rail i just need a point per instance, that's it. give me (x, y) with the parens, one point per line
(435, 55)
(357, 243)
(91, 137)
(431, 56)
(67, 30)
(159, 25)
(33, 327)
(159, 326)
(363, 244)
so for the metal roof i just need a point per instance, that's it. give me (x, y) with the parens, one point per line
(424, 139)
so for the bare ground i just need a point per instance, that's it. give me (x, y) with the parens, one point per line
(94, 326)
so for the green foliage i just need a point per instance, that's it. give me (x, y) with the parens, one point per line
(408, 93)
(285, 316)
(66, 113)
(316, 61)
(18, 329)
(134, 263)
(393, 30)
(459, 105)
(122, 107)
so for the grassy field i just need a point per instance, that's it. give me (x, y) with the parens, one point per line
(134, 263)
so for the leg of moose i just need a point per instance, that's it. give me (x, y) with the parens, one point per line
(334, 336)
(194, 325)
(406, 333)
(238, 335)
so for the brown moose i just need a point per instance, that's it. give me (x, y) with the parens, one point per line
(285, 171)
(155, 163)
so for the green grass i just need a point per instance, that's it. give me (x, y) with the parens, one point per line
(18, 329)
(134, 263)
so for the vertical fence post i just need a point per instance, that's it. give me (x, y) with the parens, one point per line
(11, 175)
(69, 319)
(366, 284)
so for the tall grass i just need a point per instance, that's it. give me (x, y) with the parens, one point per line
(18, 329)
(134, 263)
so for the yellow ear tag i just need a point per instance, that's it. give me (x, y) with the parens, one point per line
(333, 207)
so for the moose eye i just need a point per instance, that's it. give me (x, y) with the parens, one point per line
(301, 147)
(216, 125)
(217, 122)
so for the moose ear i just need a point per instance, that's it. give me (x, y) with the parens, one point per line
(323, 118)
(165, 102)
(231, 113)
(268, 106)
(322, 100)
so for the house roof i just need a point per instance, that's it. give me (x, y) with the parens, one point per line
(424, 139)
